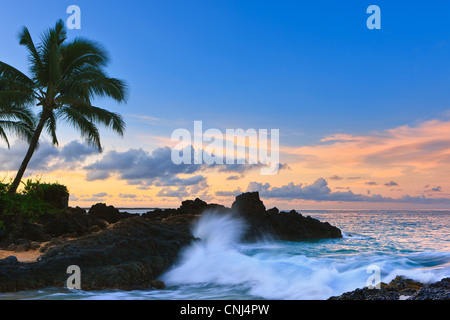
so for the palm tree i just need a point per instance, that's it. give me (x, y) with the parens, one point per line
(65, 78)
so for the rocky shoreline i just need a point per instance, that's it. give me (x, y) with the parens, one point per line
(118, 250)
(401, 289)
(125, 251)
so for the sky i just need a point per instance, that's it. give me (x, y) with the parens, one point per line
(363, 115)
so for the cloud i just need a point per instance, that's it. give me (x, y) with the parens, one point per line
(97, 175)
(234, 193)
(75, 151)
(92, 199)
(198, 190)
(336, 177)
(319, 191)
(391, 184)
(139, 167)
(10, 159)
(399, 152)
(144, 118)
(315, 191)
(135, 166)
(233, 178)
(173, 193)
(432, 189)
(371, 183)
(46, 157)
(127, 196)
(175, 181)
(100, 195)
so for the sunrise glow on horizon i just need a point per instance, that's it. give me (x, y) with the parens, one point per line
(363, 115)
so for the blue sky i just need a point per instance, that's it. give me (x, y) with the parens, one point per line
(309, 68)
(264, 63)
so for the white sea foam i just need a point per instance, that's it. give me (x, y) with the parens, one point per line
(272, 272)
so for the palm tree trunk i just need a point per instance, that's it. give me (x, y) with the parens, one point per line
(31, 148)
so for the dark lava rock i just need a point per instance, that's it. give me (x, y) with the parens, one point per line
(32, 231)
(11, 260)
(71, 221)
(107, 213)
(435, 291)
(116, 250)
(273, 211)
(248, 204)
(132, 253)
(289, 226)
(192, 206)
(398, 287)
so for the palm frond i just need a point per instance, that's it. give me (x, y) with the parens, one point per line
(17, 113)
(34, 57)
(50, 53)
(111, 120)
(82, 53)
(17, 120)
(18, 128)
(11, 78)
(88, 83)
(50, 126)
(87, 128)
(3, 136)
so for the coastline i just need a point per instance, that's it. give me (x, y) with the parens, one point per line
(130, 251)
(118, 250)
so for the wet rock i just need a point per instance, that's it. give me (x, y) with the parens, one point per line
(133, 252)
(117, 250)
(435, 291)
(289, 226)
(399, 288)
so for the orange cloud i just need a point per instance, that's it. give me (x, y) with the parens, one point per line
(413, 155)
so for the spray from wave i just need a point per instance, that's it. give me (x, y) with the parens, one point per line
(276, 271)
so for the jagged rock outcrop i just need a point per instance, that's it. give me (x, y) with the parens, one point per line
(108, 213)
(289, 226)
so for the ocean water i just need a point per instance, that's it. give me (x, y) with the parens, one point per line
(413, 243)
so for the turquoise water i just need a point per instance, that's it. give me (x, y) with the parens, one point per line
(411, 243)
